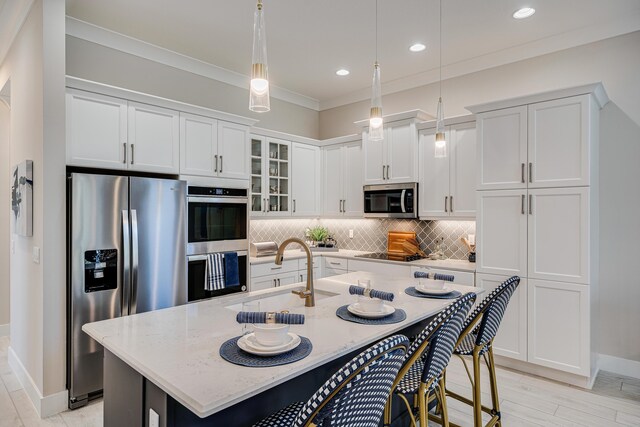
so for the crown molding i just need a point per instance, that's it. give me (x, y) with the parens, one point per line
(603, 30)
(113, 40)
(12, 16)
(417, 115)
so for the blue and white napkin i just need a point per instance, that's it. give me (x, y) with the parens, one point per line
(214, 274)
(434, 276)
(359, 290)
(261, 317)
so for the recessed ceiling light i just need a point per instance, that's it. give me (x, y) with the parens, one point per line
(417, 47)
(525, 12)
(342, 72)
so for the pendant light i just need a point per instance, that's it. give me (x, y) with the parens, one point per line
(259, 87)
(441, 142)
(376, 130)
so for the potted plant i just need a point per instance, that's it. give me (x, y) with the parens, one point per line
(318, 234)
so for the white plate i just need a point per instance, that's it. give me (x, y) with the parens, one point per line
(249, 344)
(426, 291)
(356, 309)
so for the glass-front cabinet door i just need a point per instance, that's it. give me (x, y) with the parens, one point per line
(270, 173)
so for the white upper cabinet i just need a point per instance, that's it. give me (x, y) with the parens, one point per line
(198, 143)
(270, 172)
(154, 140)
(342, 180)
(501, 235)
(394, 159)
(559, 234)
(305, 179)
(213, 148)
(447, 184)
(559, 141)
(96, 130)
(502, 149)
(233, 150)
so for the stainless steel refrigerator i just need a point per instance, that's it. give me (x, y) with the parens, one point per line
(126, 255)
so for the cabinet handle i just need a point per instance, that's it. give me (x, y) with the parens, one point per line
(124, 146)
(265, 205)
(451, 204)
(276, 268)
(132, 153)
(383, 172)
(344, 205)
(301, 277)
(522, 173)
(530, 172)
(275, 283)
(294, 201)
(446, 199)
(335, 263)
(278, 282)
(387, 171)
(216, 163)
(221, 163)
(522, 205)
(530, 204)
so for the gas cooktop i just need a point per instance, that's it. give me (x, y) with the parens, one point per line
(391, 257)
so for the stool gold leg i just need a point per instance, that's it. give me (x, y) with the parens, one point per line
(477, 395)
(423, 404)
(494, 384)
(443, 404)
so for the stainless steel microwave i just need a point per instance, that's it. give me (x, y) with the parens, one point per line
(391, 200)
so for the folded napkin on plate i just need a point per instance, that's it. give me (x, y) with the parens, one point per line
(434, 276)
(359, 290)
(261, 317)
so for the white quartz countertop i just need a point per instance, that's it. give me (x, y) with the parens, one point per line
(447, 264)
(178, 348)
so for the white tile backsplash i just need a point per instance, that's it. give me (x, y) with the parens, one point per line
(369, 234)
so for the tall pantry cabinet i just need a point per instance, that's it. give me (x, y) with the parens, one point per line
(537, 217)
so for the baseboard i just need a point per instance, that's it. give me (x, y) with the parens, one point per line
(4, 330)
(543, 371)
(618, 365)
(45, 406)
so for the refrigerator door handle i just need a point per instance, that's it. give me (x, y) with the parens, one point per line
(134, 262)
(126, 262)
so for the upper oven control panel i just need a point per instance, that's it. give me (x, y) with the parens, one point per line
(215, 191)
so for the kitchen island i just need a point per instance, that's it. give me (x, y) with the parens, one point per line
(168, 360)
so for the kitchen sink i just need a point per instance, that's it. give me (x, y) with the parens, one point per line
(283, 301)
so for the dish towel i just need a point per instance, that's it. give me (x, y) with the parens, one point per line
(264, 317)
(359, 290)
(214, 274)
(231, 269)
(434, 276)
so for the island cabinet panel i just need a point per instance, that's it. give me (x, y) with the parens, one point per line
(123, 393)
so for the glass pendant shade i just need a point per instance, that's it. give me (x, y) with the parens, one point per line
(376, 129)
(259, 87)
(441, 142)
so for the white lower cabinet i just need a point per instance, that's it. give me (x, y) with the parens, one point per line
(274, 280)
(558, 332)
(334, 266)
(511, 340)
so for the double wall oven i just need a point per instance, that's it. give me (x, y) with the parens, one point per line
(217, 222)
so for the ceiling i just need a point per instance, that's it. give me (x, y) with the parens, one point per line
(309, 40)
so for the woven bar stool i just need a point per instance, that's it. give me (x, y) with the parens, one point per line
(355, 396)
(425, 362)
(476, 341)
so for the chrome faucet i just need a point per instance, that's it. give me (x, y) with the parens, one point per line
(308, 294)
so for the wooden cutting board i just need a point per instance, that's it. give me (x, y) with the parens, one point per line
(396, 239)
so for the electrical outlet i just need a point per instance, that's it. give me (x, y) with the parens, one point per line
(154, 418)
(351, 234)
(36, 255)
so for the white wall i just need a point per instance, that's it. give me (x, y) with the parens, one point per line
(5, 239)
(94, 62)
(615, 62)
(35, 65)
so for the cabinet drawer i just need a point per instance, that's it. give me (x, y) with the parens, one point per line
(460, 277)
(258, 270)
(380, 268)
(330, 271)
(340, 263)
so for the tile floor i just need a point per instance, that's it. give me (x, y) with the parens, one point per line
(525, 401)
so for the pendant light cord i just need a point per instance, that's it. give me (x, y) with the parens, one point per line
(440, 41)
(376, 31)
